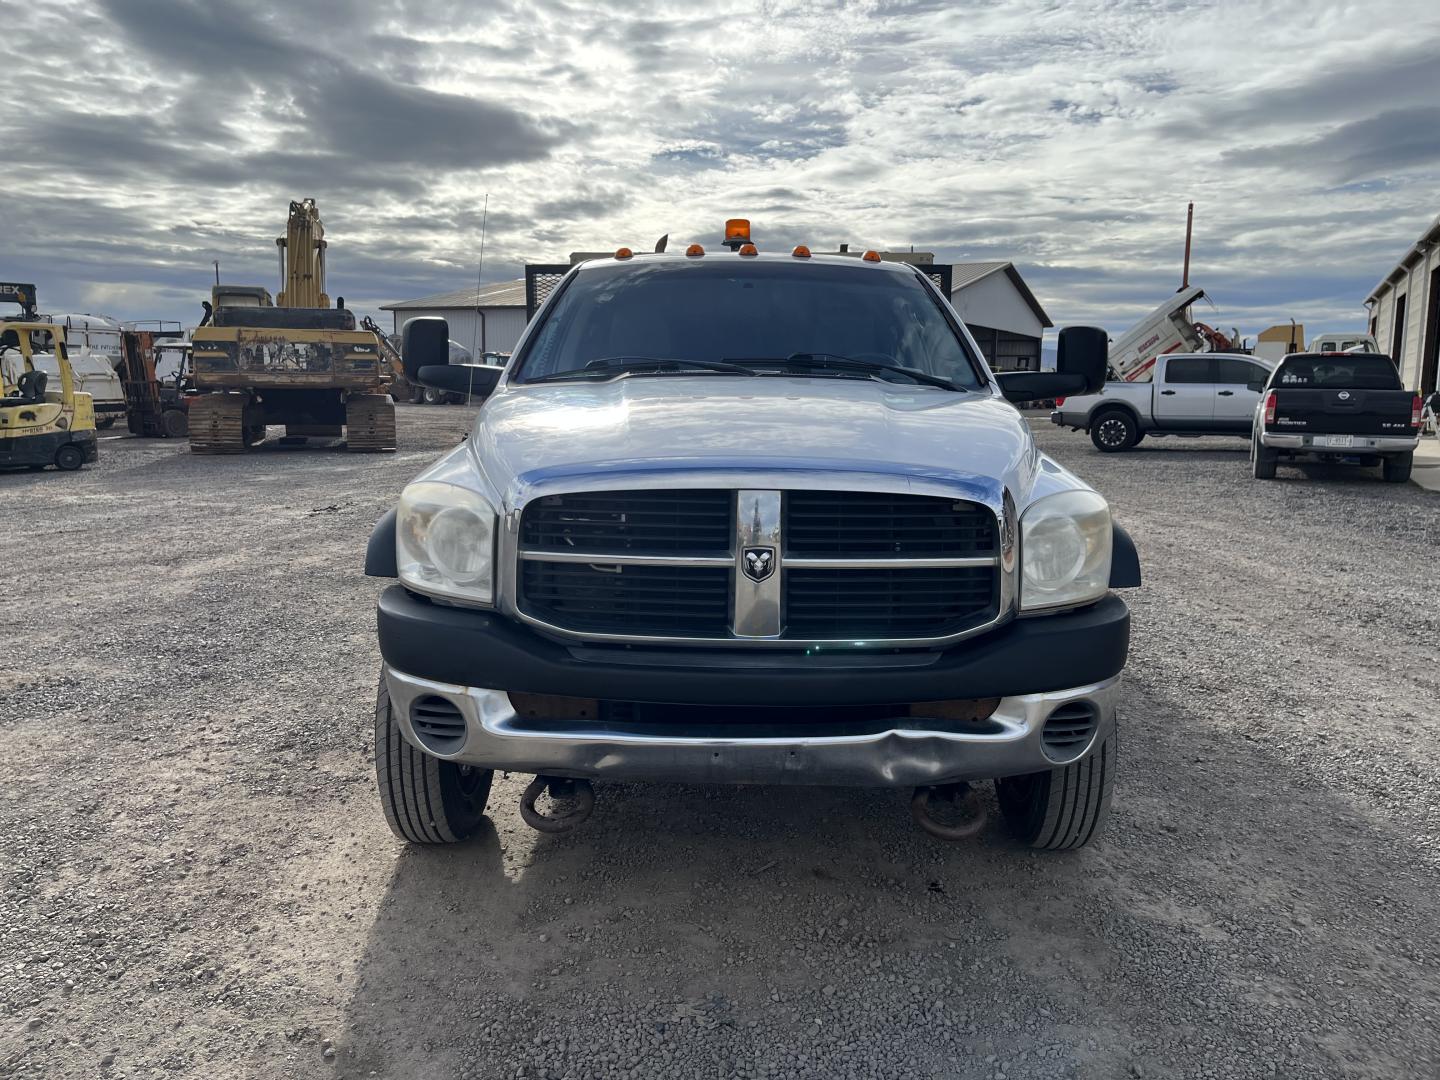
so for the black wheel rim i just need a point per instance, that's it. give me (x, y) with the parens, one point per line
(469, 781)
(1112, 432)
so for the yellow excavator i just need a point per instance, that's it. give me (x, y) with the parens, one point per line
(296, 360)
(40, 425)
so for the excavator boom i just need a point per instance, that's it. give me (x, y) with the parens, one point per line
(302, 258)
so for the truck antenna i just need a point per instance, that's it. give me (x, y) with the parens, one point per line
(217, 271)
(475, 341)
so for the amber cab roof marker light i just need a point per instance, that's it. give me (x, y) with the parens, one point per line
(749, 249)
(801, 252)
(624, 253)
(871, 256)
(693, 250)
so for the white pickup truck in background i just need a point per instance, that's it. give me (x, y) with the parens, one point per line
(1190, 394)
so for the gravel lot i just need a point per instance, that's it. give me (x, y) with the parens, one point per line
(197, 879)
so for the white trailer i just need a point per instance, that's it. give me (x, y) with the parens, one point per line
(1167, 329)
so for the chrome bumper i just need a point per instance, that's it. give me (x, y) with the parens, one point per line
(902, 753)
(1363, 444)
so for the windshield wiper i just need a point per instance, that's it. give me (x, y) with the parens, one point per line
(610, 366)
(834, 361)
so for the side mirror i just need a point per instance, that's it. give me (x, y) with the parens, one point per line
(425, 350)
(1080, 368)
(424, 342)
(472, 380)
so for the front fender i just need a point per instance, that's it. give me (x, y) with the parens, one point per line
(1124, 560)
(380, 551)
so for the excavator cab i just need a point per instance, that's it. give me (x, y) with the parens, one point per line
(41, 424)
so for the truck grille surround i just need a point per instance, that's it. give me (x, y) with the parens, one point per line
(719, 565)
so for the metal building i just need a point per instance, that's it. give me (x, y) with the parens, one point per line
(1001, 311)
(487, 319)
(1405, 312)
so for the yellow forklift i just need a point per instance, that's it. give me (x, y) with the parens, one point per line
(38, 426)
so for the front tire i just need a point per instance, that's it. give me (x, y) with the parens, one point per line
(426, 800)
(1064, 808)
(1114, 431)
(1396, 470)
(69, 457)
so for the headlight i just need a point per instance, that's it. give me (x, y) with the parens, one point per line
(1064, 550)
(445, 542)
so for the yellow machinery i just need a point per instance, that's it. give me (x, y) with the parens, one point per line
(298, 362)
(40, 425)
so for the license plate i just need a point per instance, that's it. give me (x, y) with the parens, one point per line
(1336, 440)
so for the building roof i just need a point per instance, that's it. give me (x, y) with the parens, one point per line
(510, 294)
(1417, 251)
(963, 275)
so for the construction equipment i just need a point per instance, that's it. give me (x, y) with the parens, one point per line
(38, 425)
(155, 373)
(297, 361)
(400, 387)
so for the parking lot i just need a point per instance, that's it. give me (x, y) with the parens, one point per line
(198, 881)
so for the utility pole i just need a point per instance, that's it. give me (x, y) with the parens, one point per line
(1189, 228)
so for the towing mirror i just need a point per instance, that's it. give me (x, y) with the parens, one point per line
(424, 342)
(1080, 368)
(473, 380)
(425, 349)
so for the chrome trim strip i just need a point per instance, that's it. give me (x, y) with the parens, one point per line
(628, 560)
(888, 564)
(757, 603)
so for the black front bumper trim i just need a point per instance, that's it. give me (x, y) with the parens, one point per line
(478, 648)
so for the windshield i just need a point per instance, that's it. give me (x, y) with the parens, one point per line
(1355, 371)
(723, 311)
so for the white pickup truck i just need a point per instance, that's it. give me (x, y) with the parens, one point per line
(1191, 394)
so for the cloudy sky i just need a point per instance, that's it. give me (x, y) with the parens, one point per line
(142, 139)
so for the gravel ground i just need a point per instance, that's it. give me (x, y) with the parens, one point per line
(197, 879)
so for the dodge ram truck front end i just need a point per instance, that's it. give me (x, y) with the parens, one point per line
(745, 563)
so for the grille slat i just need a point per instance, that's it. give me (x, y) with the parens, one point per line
(686, 601)
(856, 524)
(681, 522)
(886, 603)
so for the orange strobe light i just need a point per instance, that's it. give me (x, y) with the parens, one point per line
(737, 228)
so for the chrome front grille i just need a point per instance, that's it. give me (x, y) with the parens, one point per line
(764, 566)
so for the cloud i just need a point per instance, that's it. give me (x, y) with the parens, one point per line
(1396, 140)
(1067, 137)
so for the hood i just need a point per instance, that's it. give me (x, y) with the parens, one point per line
(814, 432)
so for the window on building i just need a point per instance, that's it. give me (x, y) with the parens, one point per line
(1397, 339)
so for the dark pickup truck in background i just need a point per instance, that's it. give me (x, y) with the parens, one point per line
(1348, 408)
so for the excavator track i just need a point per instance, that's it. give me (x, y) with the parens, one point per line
(370, 423)
(217, 424)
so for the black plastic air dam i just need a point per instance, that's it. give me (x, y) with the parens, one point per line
(476, 648)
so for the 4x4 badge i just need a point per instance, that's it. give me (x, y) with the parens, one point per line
(758, 562)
